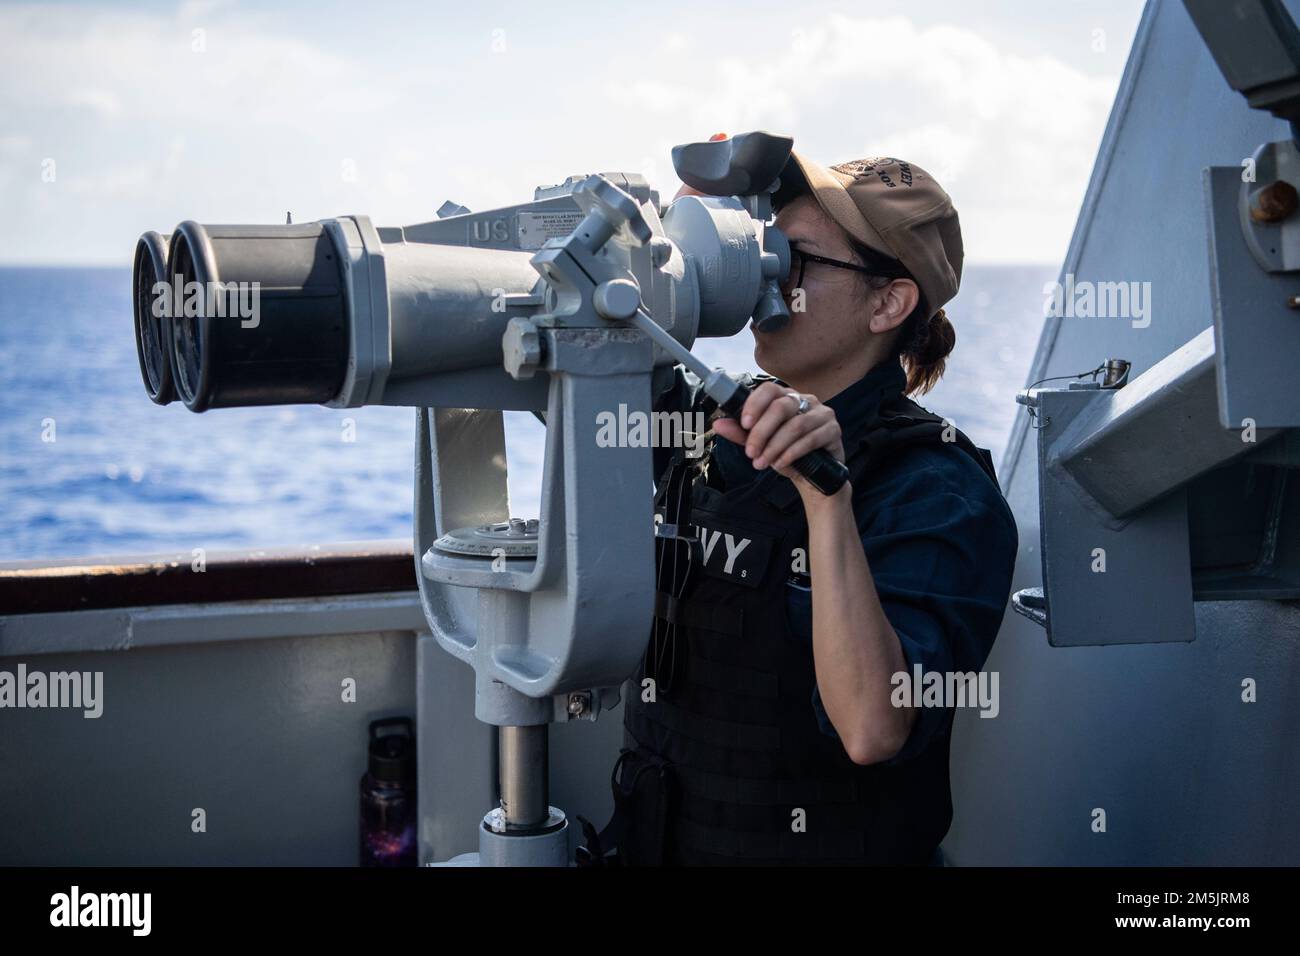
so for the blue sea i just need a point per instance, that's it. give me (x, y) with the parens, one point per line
(90, 467)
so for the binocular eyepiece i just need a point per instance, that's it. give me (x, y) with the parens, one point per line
(240, 315)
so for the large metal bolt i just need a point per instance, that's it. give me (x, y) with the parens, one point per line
(579, 703)
(617, 299)
(1274, 202)
(521, 348)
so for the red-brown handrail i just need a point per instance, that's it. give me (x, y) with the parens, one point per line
(42, 586)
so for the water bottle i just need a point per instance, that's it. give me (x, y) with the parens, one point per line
(388, 804)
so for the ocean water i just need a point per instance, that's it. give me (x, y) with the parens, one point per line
(90, 467)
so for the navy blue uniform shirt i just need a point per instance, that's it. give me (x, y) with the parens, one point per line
(939, 538)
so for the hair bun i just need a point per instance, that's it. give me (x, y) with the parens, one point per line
(926, 356)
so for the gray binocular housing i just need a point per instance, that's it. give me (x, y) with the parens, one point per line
(342, 313)
(566, 306)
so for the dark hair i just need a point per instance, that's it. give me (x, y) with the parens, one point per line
(924, 341)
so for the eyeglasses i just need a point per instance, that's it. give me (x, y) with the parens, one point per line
(875, 266)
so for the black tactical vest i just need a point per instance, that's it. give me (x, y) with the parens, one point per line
(726, 764)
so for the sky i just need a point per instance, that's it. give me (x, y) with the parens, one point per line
(116, 118)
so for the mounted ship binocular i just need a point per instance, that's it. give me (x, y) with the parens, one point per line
(566, 306)
(572, 306)
(343, 313)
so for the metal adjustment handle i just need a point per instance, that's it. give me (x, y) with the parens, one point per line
(599, 197)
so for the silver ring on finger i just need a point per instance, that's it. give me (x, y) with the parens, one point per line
(804, 404)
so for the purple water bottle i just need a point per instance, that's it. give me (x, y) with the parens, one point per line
(388, 804)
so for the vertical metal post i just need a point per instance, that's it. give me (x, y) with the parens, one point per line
(525, 783)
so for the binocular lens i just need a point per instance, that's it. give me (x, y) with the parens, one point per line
(184, 341)
(152, 345)
(258, 315)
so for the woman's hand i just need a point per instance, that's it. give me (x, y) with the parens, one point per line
(775, 434)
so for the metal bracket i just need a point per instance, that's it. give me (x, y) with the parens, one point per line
(1256, 314)
(1106, 584)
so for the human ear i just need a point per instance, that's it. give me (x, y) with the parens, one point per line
(894, 303)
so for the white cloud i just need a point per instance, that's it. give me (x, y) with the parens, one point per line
(105, 103)
(196, 9)
(675, 43)
(15, 143)
(146, 131)
(996, 129)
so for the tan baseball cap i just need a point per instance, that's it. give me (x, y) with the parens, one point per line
(892, 206)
